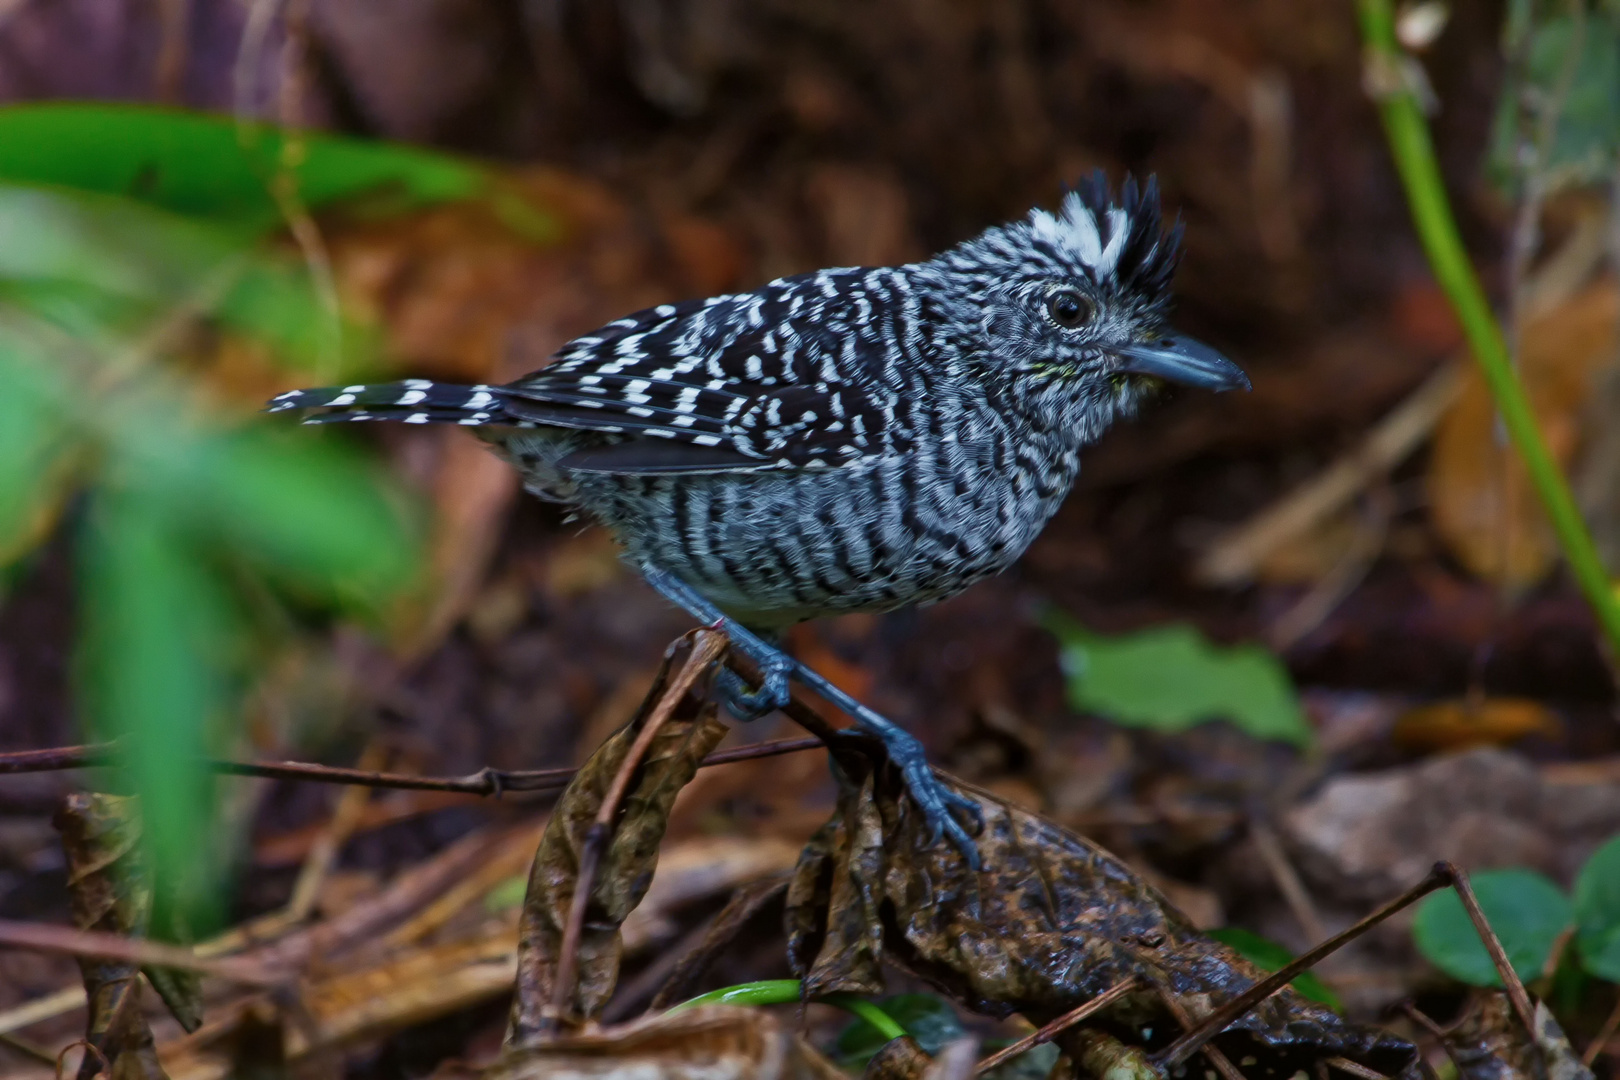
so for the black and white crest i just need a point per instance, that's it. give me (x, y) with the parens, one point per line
(1118, 245)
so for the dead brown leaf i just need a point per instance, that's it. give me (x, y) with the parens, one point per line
(714, 1042)
(626, 868)
(111, 892)
(1462, 724)
(1051, 922)
(1480, 498)
(1489, 1043)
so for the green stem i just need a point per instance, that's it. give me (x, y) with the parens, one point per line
(786, 992)
(1409, 142)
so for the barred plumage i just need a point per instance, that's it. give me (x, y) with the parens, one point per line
(848, 440)
(851, 439)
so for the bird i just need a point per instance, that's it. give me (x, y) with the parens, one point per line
(854, 439)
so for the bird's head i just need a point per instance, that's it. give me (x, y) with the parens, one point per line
(1073, 304)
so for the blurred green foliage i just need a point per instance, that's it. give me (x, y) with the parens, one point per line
(124, 228)
(210, 168)
(1170, 678)
(1559, 112)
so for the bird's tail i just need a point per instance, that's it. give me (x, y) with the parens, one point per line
(414, 401)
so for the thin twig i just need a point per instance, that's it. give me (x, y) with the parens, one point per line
(1504, 967)
(1216, 1022)
(55, 759)
(485, 782)
(1056, 1027)
(1354, 1068)
(1236, 557)
(324, 851)
(1287, 879)
(1601, 1040)
(1217, 1058)
(50, 937)
(707, 647)
(27, 1049)
(1426, 1022)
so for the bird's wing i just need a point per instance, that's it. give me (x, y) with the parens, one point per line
(786, 377)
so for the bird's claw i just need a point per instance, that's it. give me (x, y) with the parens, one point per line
(748, 704)
(934, 798)
(937, 802)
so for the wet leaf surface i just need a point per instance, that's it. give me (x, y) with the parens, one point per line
(626, 868)
(1489, 1043)
(1050, 923)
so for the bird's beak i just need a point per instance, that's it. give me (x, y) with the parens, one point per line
(1184, 360)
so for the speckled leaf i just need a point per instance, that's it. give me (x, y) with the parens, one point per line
(626, 869)
(1489, 1043)
(109, 891)
(1051, 922)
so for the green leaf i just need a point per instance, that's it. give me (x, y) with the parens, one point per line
(35, 440)
(1267, 955)
(112, 267)
(1597, 911)
(1527, 911)
(211, 166)
(1586, 142)
(1170, 678)
(303, 510)
(926, 1017)
(159, 637)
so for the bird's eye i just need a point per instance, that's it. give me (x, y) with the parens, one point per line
(1069, 309)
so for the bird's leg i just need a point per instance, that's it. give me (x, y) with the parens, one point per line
(931, 796)
(906, 751)
(774, 665)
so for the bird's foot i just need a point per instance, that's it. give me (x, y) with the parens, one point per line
(940, 804)
(748, 704)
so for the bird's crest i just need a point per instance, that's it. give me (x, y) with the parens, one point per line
(1117, 242)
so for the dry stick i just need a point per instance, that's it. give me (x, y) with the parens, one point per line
(1179, 1051)
(1287, 880)
(27, 1049)
(1504, 968)
(1216, 1056)
(1236, 557)
(1356, 1069)
(324, 851)
(1056, 1027)
(1426, 1022)
(483, 782)
(1605, 1033)
(49, 937)
(55, 759)
(707, 647)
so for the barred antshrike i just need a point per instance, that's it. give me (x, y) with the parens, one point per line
(847, 440)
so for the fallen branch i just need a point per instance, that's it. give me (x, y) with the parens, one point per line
(485, 781)
(49, 937)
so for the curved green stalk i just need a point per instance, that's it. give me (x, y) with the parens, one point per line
(1408, 134)
(786, 992)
